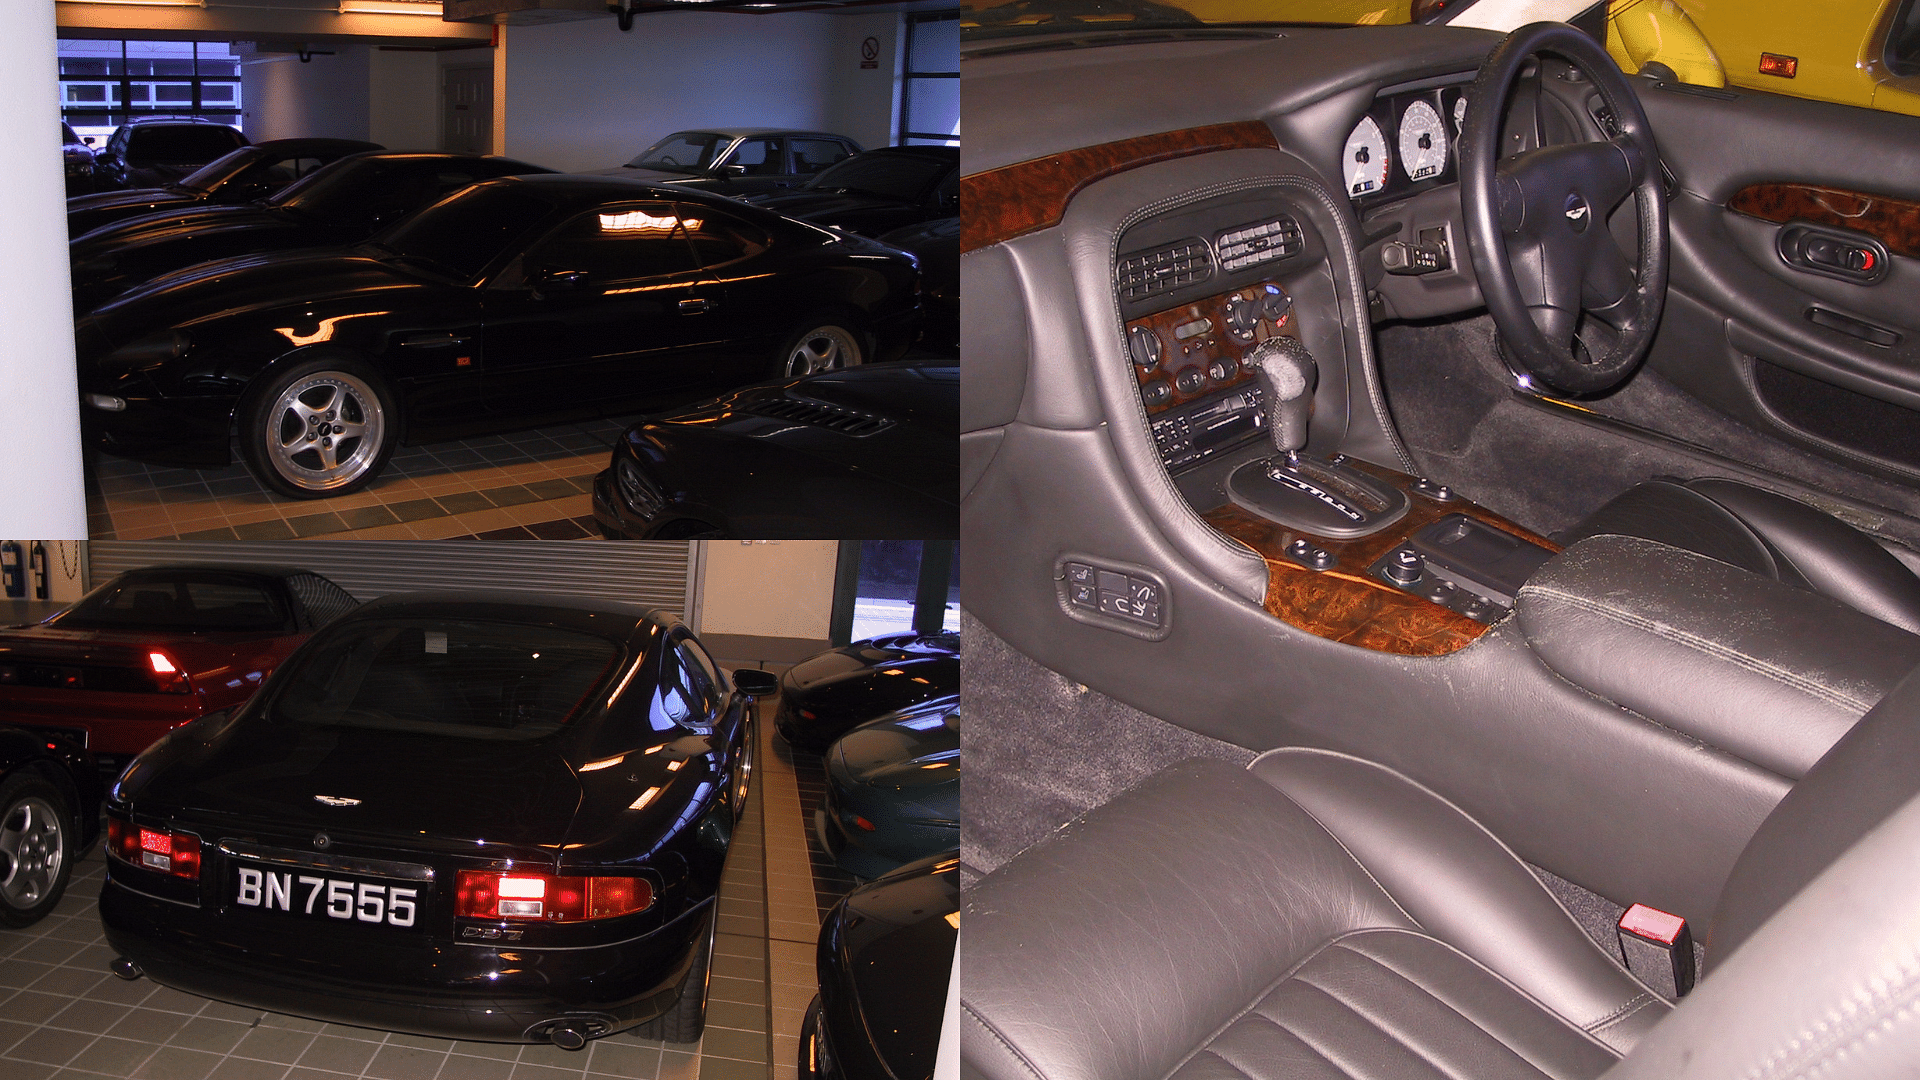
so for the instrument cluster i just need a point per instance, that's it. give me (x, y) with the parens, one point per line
(1407, 142)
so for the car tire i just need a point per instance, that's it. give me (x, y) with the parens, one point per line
(822, 346)
(37, 841)
(281, 416)
(743, 773)
(688, 1018)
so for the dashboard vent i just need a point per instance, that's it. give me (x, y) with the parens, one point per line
(1147, 273)
(823, 415)
(1260, 242)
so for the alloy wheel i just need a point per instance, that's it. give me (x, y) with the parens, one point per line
(31, 850)
(827, 348)
(325, 430)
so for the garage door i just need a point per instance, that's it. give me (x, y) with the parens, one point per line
(648, 573)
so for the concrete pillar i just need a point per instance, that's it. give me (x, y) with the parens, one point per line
(41, 487)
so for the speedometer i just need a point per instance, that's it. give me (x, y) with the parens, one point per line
(1367, 160)
(1423, 141)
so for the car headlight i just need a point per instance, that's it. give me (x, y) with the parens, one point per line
(639, 492)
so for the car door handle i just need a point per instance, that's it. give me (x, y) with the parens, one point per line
(693, 307)
(434, 338)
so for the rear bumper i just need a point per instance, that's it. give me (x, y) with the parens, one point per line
(430, 987)
(112, 724)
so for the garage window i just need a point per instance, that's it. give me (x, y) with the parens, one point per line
(930, 87)
(103, 84)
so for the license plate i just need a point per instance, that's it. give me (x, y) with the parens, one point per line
(321, 895)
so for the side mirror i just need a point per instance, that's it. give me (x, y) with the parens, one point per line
(734, 170)
(88, 140)
(756, 683)
(553, 281)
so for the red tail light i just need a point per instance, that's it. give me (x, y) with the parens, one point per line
(175, 853)
(168, 675)
(493, 894)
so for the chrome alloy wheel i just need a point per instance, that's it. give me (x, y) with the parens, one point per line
(827, 348)
(31, 850)
(325, 430)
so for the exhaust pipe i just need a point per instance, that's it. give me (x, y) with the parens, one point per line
(125, 968)
(567, 1037)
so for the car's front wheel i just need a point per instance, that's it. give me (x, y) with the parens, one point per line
(319, 428)
(827, 346)
(36, 849)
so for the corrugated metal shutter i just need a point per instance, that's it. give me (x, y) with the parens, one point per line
(649, 573)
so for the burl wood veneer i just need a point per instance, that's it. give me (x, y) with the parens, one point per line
(1016, 199)
(1894, 222)
(1345, 605)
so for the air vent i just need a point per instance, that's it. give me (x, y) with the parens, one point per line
(1147, 273)
(1260, 242)
(821, 414)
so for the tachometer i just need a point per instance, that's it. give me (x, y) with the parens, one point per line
(1367, 159)
(1423, 141)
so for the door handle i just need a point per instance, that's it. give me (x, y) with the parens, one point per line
(434, 338)
(693, 307)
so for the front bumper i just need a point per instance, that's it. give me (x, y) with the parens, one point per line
(186, 432)
(431, 986)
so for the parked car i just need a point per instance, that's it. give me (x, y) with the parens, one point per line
(737, 161)
(868, 451)
(936, 244)
(832, 692)
(245, 175)
(149, 151)
(49, 817)
(514, 302)
(467, 816)
(884, 958)
(76, 155)
(877, 192)
(342, 203)
(152, 649)
(893, 789)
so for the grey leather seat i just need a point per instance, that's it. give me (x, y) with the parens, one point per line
(1316, 915)
(1768, 534)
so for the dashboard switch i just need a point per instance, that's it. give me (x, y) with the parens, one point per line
(1400, 257)
(1126, 598)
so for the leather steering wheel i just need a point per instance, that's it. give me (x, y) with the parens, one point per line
(1571, 310)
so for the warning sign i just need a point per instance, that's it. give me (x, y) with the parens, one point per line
(870, 53)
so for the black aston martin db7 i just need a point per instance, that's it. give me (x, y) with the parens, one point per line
(459, 815)
(342, 203)
(513, 302)
(249, 173)
(867, 452)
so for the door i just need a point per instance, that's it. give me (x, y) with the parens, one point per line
(756, 164)
(469, 104)
(761, 304)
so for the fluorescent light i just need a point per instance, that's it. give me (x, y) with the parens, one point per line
(390, 7)
(145, 3)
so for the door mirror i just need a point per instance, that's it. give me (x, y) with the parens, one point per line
(88, 140)
(552, 281)
(734, 170)
(756, 683)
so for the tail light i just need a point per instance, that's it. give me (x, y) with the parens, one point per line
(167, 674)
(494, 894)
(159, 850)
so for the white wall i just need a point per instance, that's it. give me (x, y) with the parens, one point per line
(781, 588)
(403, 98)
(324, 98)
(583, 95)
(866, 101)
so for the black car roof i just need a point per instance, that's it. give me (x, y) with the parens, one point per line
(258, 570)
(349, 146)
(585, 614)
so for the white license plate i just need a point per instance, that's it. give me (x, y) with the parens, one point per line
(320, 895)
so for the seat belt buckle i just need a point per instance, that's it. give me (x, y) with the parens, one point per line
(1658, 949)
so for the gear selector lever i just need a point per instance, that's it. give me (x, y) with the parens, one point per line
(1287, 375)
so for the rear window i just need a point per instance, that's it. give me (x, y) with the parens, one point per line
(478, 680)
(189, 143)
(195, 604)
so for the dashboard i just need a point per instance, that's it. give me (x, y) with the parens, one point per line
(1408, 142)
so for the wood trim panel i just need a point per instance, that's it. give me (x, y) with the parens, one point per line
(1016, 199)
(1343, 604)
(1894, 222)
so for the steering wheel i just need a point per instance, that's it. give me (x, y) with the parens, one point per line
(1571, 310)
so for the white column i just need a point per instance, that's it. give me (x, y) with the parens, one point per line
(41, 488)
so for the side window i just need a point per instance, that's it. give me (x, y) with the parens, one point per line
(812, 155)
(619, 243)
(761, 157)
(1903, 41)
(721, 238)
(286, 172)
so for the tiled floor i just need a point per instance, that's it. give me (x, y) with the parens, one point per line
(63, 1017)
(528, 485)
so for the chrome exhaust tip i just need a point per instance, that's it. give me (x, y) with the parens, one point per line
(567, 1037)
(125, 968)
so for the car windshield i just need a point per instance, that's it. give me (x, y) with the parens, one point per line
(894, 176)
(1009, 18)
(466, 679)
(189, 603)
(212, 175)
(343, 189)
(463, 234)
(182, 143)
(682, 151)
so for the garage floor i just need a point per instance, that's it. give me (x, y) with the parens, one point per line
(63, 1016)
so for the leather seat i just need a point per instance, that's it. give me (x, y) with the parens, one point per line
(1769, 534)
(1315, 915)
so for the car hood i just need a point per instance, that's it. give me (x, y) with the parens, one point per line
(173, 224)
(865, 656)
(116, 200)
(825, 204)
(904, 752)
(884, 959)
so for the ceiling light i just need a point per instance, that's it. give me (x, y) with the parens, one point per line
(146, 3)
(390, 7)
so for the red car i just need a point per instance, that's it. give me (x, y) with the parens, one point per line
(154, 648)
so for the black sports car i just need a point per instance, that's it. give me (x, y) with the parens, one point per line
(249, 173)
(737, 161)
(884, 958)
(514, 302)
(49, 817)
(459, 815)
(878, 191)
(342, 203)
(830, 693)
(148, 151)
(893, 789)
(865, 452)
(76, 155)
(936, 244)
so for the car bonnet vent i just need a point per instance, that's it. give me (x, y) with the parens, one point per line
(822, 414)
(1146, 273)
